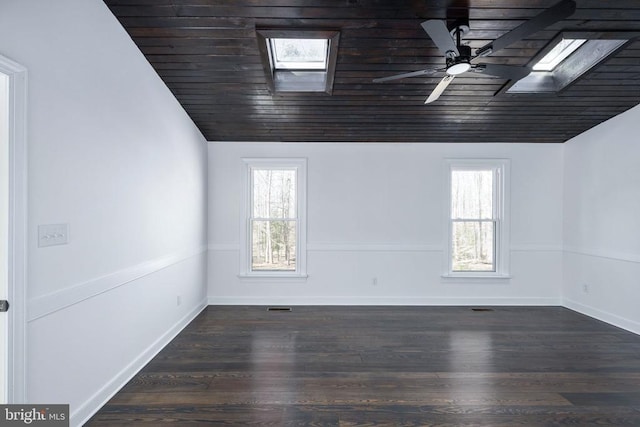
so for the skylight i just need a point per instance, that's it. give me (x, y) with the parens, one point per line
(568, 57)
(298, 60)
(299, 54)
(558, 54)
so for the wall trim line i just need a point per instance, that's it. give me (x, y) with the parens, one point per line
(536, 248)
(386, 247)
(374, 247)
(600, 253)
(223, 247)
(45, 305)
(93, 404)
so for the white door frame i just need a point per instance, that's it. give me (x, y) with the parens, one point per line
(16, 374)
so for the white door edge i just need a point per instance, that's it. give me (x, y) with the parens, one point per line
(17, 249)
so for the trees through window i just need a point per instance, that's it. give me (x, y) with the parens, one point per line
(473, 220)
(274, 219)
(477, 227)
(274, 229)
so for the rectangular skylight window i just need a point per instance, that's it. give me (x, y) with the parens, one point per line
(299, 54)
(558, 54)
(298, 60)
(571, 56)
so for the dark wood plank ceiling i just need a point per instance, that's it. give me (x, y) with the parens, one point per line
(206, 52)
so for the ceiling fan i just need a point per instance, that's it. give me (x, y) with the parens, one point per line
(458, 57)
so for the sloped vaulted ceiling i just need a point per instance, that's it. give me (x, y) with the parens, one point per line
(207, 53)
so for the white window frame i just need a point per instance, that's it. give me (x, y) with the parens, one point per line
(501, 173)
(300, 166)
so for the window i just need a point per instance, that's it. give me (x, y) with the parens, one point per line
(476, 218)
(274, 231)
(568, 57)
(559, 53)
(299, 54)
(298, 60)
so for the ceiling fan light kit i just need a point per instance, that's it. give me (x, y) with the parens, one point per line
(461, 63)
(458, 57)
(458, 68)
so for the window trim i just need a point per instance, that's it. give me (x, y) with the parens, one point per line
(502, 172)
(300, 166)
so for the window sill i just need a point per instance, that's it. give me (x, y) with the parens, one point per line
(476, 277)
(273, 277)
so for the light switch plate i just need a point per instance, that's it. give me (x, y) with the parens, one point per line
(53, 234)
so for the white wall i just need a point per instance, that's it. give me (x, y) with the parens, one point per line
(602, 221)
(112, 154)
(376, 210)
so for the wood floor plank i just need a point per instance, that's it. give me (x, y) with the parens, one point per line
(387, 366)
(371, 397)
(612, 399)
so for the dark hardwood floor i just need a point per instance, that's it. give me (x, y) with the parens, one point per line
(392, 366)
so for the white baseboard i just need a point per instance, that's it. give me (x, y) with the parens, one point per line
(612, 319)
(102, 396)
(358, 300)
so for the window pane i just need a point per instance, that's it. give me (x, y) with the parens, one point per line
(273, 245)
(305, 54)
(472, 194)
(274, 193)
(558, 54)
(473, 246)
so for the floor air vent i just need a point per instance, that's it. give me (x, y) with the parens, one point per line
(482, 309)
(278, 308)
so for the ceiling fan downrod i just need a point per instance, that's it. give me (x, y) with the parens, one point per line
(461, 63)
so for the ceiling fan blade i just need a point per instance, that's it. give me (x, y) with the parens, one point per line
(511, 72)
(405, 75)
(556, 13)
(439, 89)
(440, 35)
